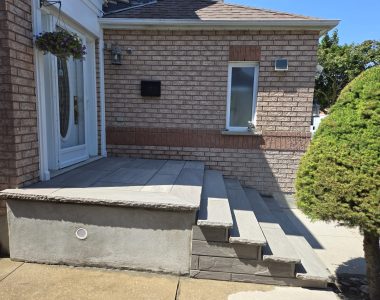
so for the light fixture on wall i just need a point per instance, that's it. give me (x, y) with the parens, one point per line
(281, 64)
(115, 55)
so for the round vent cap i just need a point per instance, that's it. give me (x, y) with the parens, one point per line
(81, 233)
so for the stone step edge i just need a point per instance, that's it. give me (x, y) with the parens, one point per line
(206, 223)
(275, 258)
(238, 240)
(328, 279)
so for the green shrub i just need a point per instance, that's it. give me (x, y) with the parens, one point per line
(339, 176)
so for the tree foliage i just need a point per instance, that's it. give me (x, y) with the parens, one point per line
(341, 64)
(339, 176)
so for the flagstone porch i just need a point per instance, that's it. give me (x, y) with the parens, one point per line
(163, 216)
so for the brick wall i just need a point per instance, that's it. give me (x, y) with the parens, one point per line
(18, 116)
(193, 69)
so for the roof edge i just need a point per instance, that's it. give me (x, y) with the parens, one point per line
(321, 25)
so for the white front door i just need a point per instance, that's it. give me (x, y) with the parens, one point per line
(69, 101)
(71, 112)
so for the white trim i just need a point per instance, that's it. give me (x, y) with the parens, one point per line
(40, 94)
(43, 66)
(103, 146)
(231, 65)
(91, 100)
(186, 24)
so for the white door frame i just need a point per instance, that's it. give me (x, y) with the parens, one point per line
(90, 87)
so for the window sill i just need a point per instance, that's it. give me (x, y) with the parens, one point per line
(230, 132)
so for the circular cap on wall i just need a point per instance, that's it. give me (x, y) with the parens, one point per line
(81, 233)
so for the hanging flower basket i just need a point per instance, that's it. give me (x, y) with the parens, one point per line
(62, 44)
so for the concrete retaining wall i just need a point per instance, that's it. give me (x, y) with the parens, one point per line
(118, 237)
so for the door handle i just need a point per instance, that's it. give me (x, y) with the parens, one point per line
(76, 110)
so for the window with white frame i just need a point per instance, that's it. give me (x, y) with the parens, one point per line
(242, 95)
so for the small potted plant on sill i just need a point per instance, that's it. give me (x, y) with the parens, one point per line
(62, 44)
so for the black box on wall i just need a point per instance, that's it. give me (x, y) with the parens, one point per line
(150, 88)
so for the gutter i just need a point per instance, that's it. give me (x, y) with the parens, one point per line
(321, 25)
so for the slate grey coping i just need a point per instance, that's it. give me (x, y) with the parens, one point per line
(246, 229)
(145, 183)
(214, 210)
(109, 197)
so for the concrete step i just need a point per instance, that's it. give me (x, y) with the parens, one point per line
(206, 248)
(311, 271)
(214, 210)
(278, 248)
(246, 229)
(243, 266)
(189, 182)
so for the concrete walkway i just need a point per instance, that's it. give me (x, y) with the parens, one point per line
(32, 281)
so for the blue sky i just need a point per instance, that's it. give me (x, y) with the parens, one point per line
(360, 19)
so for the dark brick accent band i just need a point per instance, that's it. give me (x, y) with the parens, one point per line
(244, 53)
(176, 137)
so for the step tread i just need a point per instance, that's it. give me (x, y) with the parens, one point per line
(189, 182)
(245, 229)
(311, 268)
(214, 209)
(314, 268)
(278, 248)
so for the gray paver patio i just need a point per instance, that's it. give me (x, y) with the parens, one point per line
(148, 183)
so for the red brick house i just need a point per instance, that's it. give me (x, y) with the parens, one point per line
(228, 85)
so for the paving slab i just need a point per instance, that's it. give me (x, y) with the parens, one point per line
(246, 228)
(215, 210)
(7, 267)
(32, 281)
(285, 293)
(197, 289)
(147, 183)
